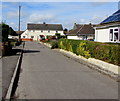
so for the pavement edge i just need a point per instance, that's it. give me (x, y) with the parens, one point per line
(9, 91)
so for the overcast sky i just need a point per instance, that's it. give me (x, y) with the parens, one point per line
(65, 13)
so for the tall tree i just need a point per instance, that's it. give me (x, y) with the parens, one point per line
(65, 31)
(12, 32)
(5, 31)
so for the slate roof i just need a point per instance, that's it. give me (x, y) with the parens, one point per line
(45, 27)
(82, 30)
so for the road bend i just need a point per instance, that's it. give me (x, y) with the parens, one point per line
(47, 74)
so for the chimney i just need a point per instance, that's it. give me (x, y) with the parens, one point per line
(44, 23)
(90, 23)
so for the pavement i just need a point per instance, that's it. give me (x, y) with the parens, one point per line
(8, 64)
(0, 79)
(48, 74)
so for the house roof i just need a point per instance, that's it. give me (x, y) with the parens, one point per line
(17, 32)
(44, 26)
(107, 25)
(82, 29)
(113, 18)
(111, 21)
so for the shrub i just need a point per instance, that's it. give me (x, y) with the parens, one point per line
(54, 44)
(82, 50)
(104, 51)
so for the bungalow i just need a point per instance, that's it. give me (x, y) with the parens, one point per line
(81, 32)
(38, 31)
(109, 29)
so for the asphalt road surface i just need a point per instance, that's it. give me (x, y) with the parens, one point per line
(47, 74)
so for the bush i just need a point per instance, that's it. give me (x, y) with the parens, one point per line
(54, 44)
(104, 51)
(82, 50)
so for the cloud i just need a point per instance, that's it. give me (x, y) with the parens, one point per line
(66, 13)
(13, 25)
(99, 3)
(12, 14)
(97, 20)
(15, 14)
(41, 18)
(3, 6)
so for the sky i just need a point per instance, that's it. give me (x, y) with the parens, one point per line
(65, 13)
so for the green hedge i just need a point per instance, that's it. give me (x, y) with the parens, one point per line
(104, 51)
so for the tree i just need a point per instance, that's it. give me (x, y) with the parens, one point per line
(5, 31)
(65, 31)
(58, 35)
(12, 32)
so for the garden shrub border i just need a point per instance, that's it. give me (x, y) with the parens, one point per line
(107, 52)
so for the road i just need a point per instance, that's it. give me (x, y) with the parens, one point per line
(47, 74)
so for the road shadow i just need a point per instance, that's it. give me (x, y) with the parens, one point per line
(31, 51)
(13, 52)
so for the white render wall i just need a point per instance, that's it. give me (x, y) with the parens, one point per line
(102, 35)
(74, 37)
(36, 33)
(79, 38)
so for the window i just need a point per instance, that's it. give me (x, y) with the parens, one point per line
(111, 34)
(23, 36)
(111, 30)
(119, 34)
(32, 37)
(115, 29)
(48, 31)
(114, 35)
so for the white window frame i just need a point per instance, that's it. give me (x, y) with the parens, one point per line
(114, 34)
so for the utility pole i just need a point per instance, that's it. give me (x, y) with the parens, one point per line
(19, 23)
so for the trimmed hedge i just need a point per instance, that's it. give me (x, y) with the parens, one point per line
(104, 51)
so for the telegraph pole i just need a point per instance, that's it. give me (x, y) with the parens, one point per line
(19, 23)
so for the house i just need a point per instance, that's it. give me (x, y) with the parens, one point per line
(12, 37)
(19, 32)
(40, 31)
(15, 36)
(109, 29)
(82, 32)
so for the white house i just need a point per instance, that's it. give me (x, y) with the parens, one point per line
(37, 31)
(109, 29)
(17, 35)
(81, 32)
